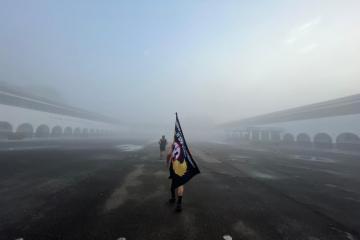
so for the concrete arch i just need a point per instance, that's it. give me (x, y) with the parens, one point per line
(348, 141)
(92, 132)
(265, 136)
(77, 132)
(68, 131)
(24, 130)
(56, 131)
(303, 140)
(275, 136)
(5, 130)
(85, 132)
(255, 135)
(288, 138)
(323, 140)
(42, 131)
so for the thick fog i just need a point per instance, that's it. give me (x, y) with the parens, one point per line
(210, 61)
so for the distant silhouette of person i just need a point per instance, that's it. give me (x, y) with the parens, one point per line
(162, 144)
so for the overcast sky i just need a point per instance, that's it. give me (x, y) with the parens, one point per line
(141, 61)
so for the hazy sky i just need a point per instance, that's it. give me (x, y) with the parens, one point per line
(141, 61)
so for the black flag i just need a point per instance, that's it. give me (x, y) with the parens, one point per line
(183, 166)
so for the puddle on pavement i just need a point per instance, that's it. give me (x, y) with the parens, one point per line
(263, 175)
(313, 158)
(129, 147)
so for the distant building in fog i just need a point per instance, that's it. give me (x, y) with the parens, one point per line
(329, 124)
(24, 115)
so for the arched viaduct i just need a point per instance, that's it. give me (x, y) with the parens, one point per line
(30, 117)
(330, 124)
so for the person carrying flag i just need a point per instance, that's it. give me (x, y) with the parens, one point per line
(182, 166)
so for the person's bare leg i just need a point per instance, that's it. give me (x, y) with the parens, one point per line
(180, 193)
(180, 190)
(173, 193)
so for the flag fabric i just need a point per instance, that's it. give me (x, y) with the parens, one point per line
(183, 167)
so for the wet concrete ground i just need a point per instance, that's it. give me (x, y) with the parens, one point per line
(113, 190)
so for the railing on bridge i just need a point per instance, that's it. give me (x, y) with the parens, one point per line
(26, 131)
(344, 141)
